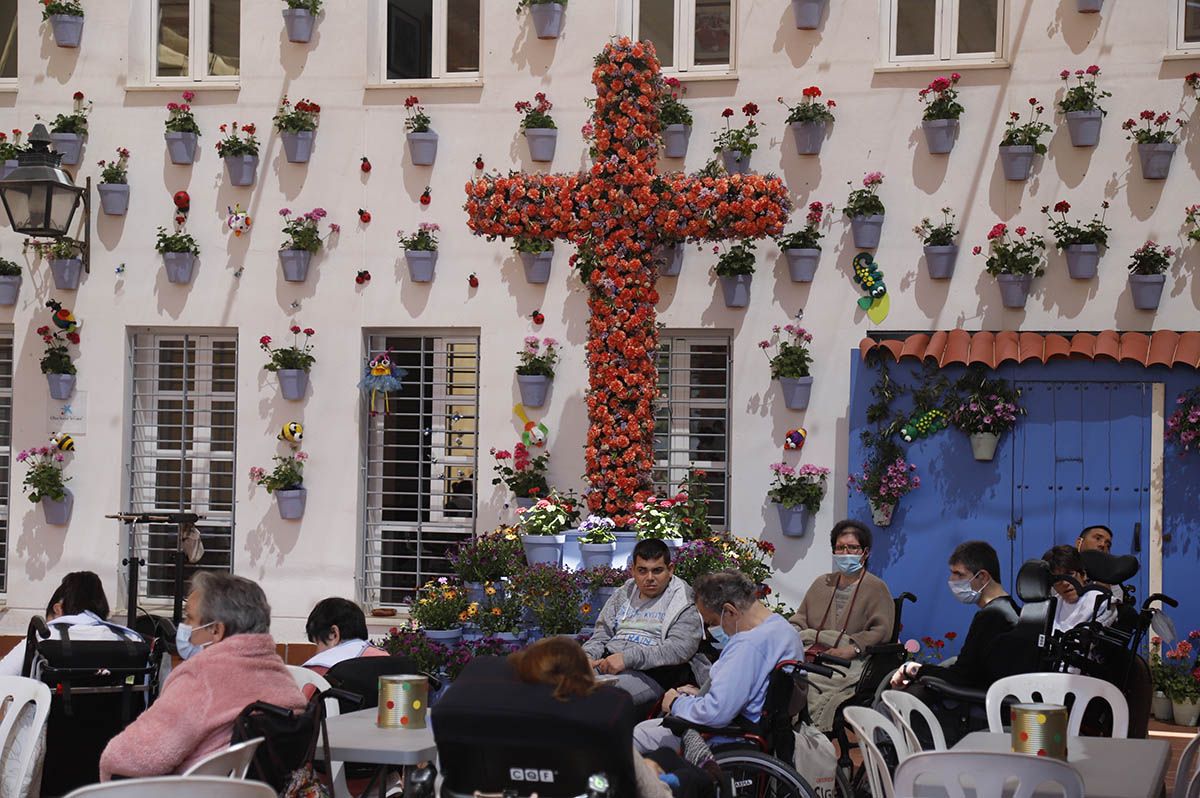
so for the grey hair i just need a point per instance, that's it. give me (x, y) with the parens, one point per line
(717, 589)
(236, 602)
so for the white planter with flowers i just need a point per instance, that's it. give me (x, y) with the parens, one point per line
(938, 240)
(865, 210)
(179, 252)
(803, 248)
(299, 18)
(735, 270)
(1080, 105)
(990, 409)
(887, 478)
(544, 526)
(1015, 257)
(735, 145)
(422, 140)
(239, 150)
(286, 483)
(942, 110)
(303, 240)
(1147, 274)
(291, 363)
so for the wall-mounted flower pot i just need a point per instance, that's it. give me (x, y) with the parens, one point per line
(421, 263)
(1014, 289)
(181, 146)
(796, 392)
(61, 385)
(809, 136)
(114, 198)
(295, 263)
(866, 230)
(1084, 127)
(422, 148)
(983, 445)
(736, 288)
(792, 520)
(1082, 260)
(1156, 160)
(58, 511)
(675, 140)
(66, 273)
(542, 141)
(298, 146)
(881, 514)
(802, 264)
(299, 23)
(533, 389)
(10, 287)
(594, 555)
(543, 549)
(524, 502)
(7, 167)
(1146, 290)
(69, 146)
(1017, 161)
(293, 383)
(547, 19)
(291, 503)
(670, 262)
(180, 266)
(67, 29)
(808, 13)
(940, 135)
(537, 266)
(940, 261)
(1089, 6)
(242, 169)
(735, 162)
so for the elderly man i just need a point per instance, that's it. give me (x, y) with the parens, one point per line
(648, 624)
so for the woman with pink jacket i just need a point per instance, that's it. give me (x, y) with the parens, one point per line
(229, 618)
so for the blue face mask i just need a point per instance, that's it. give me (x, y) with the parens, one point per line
(719, 634)
(183, 641)
(848, 564)
(963, 591)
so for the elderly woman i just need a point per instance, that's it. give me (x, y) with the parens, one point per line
(842, 614)
(230, 621)
(338, 628)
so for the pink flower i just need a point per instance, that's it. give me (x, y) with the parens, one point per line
(1093, 70)
(188, 96)
(1066, 73)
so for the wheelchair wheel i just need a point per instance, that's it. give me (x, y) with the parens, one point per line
(758, 775)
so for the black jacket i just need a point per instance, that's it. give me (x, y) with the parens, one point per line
(977, 663)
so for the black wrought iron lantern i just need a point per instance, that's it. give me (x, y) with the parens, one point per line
(39, 197)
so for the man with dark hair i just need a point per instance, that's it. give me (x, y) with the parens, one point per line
(1072, 609)
(338, 627)
(649, 624)
(1097, 537)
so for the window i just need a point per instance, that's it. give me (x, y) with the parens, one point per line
(691, 425)
(1187, 25)
(6, 401)
(420, 463)
(431, 39)
(929, 31)
(689, 35)
(8, 41)
(196, 40)
(182, 441)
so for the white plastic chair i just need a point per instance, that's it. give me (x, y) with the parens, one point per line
(21, 732)
(176, 787)
(1187, 774)
(986, 772)
(1054, 689)
(865, 723)
(305, 677)
(903, 706)
(229, 763)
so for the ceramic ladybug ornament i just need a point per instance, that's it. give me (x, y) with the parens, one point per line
(362, 277)
(364, 216)
(479, 161)
(426, 197)
(538, 317)
(473, 281)
(183, 202)
(365, 165)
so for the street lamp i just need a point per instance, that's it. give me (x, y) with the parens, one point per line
(40, 198)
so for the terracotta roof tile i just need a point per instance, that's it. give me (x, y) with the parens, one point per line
(947, 347)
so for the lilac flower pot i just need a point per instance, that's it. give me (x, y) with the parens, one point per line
(542, 142)
(293, 383)
(69, 146)
(808, 13)
(58, 511)
(299, 23)
(1084, 127)
(61, 385)
(298, 146)
(114, 198)
(67, 29)
(1088, 6)
(291, 503)
(524, 502)
(796, 392)
(295, 263)
(735, 162)
(10, 287)
(179, 266)
(594, 555)
(809, 136)
(533, 389)
(421, 263)
(675, 140)
(422, 148)
(66, 273)
(671, 261)
(181, 146)
(1082, 261)
(792, 520)
(736, 288)
(537, 266)
(1156, 160)
(1017, 161)
(1014, 289)
(547, 19)
(940, 261)
(802, 264)
(866, 230)
(242, 169)
(446, 637)
(544, 549)
(983, 445)
(940, 135)
(1146, 290)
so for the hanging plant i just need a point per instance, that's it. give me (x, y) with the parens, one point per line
(1183, 427)
(987, 412)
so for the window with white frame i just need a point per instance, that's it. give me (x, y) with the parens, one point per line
(8, 41)
(429, 39)
(183, 426)
(420, 463)
(691, 423)
(196, 40)
(6, 401)
(929, 31)
(688, 35)
(1187, 25)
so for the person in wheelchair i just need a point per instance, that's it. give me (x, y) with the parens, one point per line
(1097, 537)
(338, 628)
(842, 614)
(1071, 609)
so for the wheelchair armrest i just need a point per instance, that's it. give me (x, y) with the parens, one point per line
(679, 726)
(829, 659)
(890, 649)
(352, 699)
(954, 691)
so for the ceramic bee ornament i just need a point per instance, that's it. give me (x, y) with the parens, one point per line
(63, 442)
(292, 432)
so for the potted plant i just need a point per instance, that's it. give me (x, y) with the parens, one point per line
(597, 542)
(182, 132)
(114, 184)
(440, 608)
(555, 599)
(420, 251)
(179, 251)
(942, 110)
(696, 558)
(808, 13)
(1182, 686)
(1081, 243)
(1147, 274)
(1081, 106)
(297, 126)
(1014, 262)
(669, 255)
(987, 412)
(66, 21)
(544, 526)
(735, 270)
(791, 364)
(1183, 427)
(658, 519)
(45, 484)
(422, 141)
(1156, 140)
(803, 247)
(291, 363)
(56, 360)
(487, 559)
(1022, 141)
(299, 18)
(797, 495)
(809, 121)
(537, 255)
(601, 582)
(240, 153)
(536, 369)
(286, 482)
(10, 151)
(735, 145)
(66, 265)
(547, 16)
(865, 211)
(941, 249)
(303, 241)
(885, 479)
(676, 119)
(10, 281)
(499, 615)
(526, 477)
(539, 129)
(68, 130)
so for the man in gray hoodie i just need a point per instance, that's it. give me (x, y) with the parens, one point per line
(651, 622)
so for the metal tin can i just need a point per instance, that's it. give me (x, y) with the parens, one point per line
(403, 702)
(1040, 729)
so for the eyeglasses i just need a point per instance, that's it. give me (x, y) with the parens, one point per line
(848, 549)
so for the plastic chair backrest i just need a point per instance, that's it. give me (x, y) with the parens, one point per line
(903, 706)
(1188, 770)
(1053, 688)
(304, 677)
(228, 763)
(20, 741)
(176, 787)
(987, 772)
(865, 723)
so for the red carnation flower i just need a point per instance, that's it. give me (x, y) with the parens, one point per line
(728, 112)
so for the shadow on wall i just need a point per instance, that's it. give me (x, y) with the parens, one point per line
(1077, 30)
(800, 44)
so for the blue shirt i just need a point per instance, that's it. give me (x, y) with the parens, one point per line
(737, 683)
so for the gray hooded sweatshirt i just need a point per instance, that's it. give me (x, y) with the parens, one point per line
(649, 633)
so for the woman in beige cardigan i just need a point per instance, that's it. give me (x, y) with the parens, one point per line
(842, 614)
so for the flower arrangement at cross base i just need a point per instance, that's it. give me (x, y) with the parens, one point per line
(420, 251)
(286, 482)
(676, 119)
(1147, 274)
(939, 121)
(803, 247)
(797, 494)
(56, 360)
(240, 152)
(291, 363)
(1022, 141)
(297, 127)
(885, 479)
(1080, 242)
(526, 477)
(990, 410)
(299, 18)
(1157, 139)
(1183, 427)
(535, 372)
(181, 130)
(939, 244)
(809, 120)
(865, 211)
(538, 127)
(1014, 262)
(735, 145)
(1080, 105)
(45, 484)
(791, 364)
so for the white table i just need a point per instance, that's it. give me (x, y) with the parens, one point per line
(354, 737)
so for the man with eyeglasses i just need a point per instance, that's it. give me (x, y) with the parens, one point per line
(842, 614)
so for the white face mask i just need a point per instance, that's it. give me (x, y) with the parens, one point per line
(183, 640)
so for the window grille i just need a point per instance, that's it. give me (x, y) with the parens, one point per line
(6, 400)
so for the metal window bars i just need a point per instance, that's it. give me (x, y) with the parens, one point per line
(6, 400)
(420, 462)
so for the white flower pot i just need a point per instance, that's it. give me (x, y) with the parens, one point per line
(544, 549)
(736, 288)
(792, 520)
(940, 261)
(542, 142)
(735, 162)
(1186, 712)
(1156, 160)
(809, 136)
(1014, 289)
(537, 266)
(882, 514)
(295, 263)
(593, 555)
(940, 135)
(675, 140)
(298, 146)
(179, 266)
(867, 230)
(421, 264)
(1146, 290)
(114, 198)
(242, 169)
(181, 146)
(67, 29)
(1017, 161)
(802, 264)
(796, 392)
(1083, 261)
(983, 445)
(66, 272)
(1084, 127)
(293, 383)
(547, 19)
(10, 288)
(533, 389)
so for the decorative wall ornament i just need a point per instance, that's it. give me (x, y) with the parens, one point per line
(292, 432)
(535, 433)
(237, 220)
(381, 376)
(924, 424)
(869, 277)
(795, 438)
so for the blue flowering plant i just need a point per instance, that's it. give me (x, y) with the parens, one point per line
(598, 529)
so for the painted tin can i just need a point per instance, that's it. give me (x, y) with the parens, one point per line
(403, 702)
(1040, 729)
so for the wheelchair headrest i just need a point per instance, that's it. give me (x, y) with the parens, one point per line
(1033, 581)
(1109, 569)
(361, 675)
